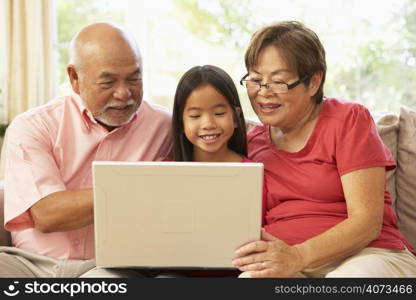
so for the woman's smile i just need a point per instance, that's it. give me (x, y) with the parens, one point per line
(269, 107)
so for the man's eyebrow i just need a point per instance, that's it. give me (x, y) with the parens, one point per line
(106, 74)
(136, 72)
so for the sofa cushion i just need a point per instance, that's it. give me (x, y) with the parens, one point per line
(406, 174)
(388, 129)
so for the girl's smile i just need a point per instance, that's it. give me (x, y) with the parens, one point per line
(210, 139)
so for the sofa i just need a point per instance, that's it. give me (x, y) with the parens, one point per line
(398, 132)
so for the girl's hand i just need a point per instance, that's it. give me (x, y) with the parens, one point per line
(269, 257)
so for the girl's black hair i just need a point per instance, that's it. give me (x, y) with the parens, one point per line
(222, 82)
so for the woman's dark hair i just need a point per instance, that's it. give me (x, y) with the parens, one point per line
(222, 82)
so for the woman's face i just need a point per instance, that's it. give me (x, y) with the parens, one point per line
(280, 110)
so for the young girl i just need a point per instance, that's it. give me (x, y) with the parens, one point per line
(208, 126)
(208, 122)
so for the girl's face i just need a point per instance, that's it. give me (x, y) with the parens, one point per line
(208, 122)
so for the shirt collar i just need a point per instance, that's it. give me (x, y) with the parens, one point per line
(88, 118)
(86, 115)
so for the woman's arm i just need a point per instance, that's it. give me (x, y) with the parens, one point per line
(364, 194)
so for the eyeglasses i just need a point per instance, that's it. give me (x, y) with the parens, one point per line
(276, 87)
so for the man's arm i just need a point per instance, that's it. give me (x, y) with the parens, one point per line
(63, 211)
(35, 192)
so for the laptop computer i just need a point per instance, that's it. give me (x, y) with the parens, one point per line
(184, 215)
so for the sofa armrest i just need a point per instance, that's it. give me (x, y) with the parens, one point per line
(5, 238)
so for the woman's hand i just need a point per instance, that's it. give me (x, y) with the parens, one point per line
(269, 257)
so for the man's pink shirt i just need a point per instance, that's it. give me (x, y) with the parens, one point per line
(51, 148)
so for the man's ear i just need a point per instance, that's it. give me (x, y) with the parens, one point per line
(314, 83)
(73, 78)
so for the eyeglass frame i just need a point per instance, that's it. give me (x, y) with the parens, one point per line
(267, 84)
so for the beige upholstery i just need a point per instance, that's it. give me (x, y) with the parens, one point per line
(388, 128)
(406, 174)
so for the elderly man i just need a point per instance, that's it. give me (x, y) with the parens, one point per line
(48, 195)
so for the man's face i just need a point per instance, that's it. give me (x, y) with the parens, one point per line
(111, 87)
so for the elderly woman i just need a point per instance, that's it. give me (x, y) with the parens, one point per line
(328, 211)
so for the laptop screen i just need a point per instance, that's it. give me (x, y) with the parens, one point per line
(175, 214)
